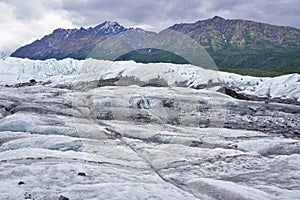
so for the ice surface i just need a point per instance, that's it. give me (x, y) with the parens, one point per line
(16, 70)
(127, 141)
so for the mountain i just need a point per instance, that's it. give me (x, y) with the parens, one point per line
(73, 43)
(237, 45)
(219, 33)
(240, 46)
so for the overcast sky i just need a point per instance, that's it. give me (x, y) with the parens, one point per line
(22, 22)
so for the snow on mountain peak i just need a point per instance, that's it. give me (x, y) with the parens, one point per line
(110, 23)
(108, 28)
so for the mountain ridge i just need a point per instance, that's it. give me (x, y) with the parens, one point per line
(235, 45)
(63, 43)
(247, 47)
(238, 28)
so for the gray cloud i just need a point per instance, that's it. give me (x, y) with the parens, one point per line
(156, 13)
(26, 10)
(163, 13)
(278, 12)
(151, 14)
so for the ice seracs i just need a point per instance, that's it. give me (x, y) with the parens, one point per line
(15, 70)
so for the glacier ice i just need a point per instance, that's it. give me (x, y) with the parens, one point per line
(136, 140)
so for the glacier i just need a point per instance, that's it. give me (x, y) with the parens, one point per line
(71, 71)
(96, 129)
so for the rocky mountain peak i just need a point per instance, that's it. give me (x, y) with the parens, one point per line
(217, 18)
(108, 28)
